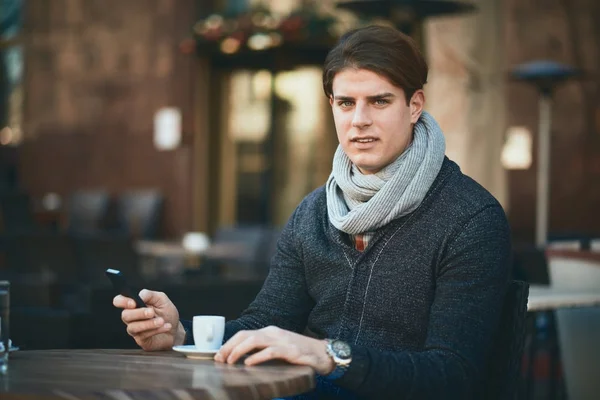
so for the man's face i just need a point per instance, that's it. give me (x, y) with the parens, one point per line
(373, 123)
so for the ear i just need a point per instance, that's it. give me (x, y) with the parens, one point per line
(417, 103)
(331, 100)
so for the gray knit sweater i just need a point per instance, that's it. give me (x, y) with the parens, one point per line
(418, 306)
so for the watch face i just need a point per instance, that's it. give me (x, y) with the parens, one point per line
(341, 349)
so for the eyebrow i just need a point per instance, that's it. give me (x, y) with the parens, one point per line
(370, 98)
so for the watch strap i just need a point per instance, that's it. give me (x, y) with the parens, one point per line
(338, 372)
(340, 369)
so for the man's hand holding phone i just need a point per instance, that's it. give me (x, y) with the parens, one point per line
(122, 287)
(155, 326)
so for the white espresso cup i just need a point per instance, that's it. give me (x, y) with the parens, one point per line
(208, 332)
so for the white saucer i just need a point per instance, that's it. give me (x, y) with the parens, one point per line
(191, 351)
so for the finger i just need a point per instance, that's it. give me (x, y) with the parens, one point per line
(137, 314)
(121, 301)
(270, 353)
(136, 328)
(235, 340)
(148, 334)
(252, 342)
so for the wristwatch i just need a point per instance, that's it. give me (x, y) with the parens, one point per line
(341, 354)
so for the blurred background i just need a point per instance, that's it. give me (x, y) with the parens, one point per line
(172, 139)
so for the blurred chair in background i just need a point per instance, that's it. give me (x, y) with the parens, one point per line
(87, 211)
(531, 265)
(43, 272)
(47, 259)
(139, 213)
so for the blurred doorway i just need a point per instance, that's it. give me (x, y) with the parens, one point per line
(275, 141)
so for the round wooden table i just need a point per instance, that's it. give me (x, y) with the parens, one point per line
(135, 374)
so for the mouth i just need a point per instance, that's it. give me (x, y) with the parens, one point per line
(364, 143)
(367, 139)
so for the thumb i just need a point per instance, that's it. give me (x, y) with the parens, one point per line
(152, 298)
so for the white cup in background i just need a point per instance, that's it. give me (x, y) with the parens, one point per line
(208, 332)
(195, 242)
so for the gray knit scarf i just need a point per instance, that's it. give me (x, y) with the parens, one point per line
(358, 203)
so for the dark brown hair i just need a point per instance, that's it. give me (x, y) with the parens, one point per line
(383, 50)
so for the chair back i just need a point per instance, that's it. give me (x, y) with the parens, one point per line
(248, 249)
(504, 366)
(530, 265)
(87, 211)
(139, 213)
(45, 270)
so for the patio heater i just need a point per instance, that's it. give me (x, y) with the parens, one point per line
(406, 15)
(545, 76)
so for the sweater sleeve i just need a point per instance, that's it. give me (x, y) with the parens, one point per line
(284, 300)
(470, 286)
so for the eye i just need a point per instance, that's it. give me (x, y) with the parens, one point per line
(345, 103)
(381, 102)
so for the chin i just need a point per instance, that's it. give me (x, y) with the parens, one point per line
(366, 165)
(368, 169)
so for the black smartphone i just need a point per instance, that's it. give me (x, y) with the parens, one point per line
(122, 287)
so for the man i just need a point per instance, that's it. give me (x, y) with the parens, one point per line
(389, 280)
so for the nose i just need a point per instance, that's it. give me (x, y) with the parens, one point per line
(361, 117)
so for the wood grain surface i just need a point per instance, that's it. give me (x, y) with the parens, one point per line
(135, 374)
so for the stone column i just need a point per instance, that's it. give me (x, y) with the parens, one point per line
(465, 92)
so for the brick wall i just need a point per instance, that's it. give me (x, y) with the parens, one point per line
(96, 72)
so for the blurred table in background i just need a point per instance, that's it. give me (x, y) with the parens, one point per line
(172, 258)
(542, 298)
(174, 248)
(152, 248)
(165, 259)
